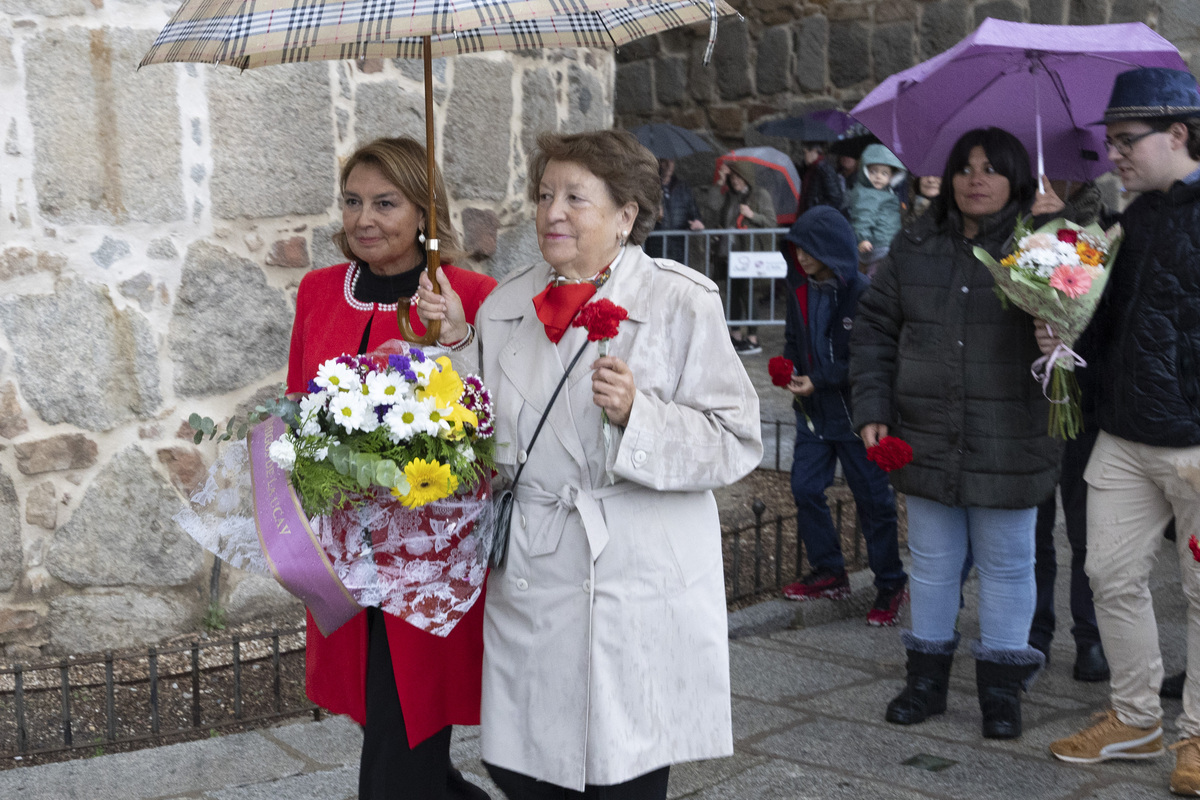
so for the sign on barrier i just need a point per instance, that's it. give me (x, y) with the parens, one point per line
(765, 264)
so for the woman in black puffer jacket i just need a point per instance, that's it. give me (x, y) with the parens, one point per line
(938, 361)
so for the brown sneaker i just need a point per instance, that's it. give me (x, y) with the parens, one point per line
(1110, 738)
(1185, 778)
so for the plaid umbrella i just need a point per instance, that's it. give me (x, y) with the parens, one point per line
(257, 33)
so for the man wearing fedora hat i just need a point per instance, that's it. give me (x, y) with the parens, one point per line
(1145, 350)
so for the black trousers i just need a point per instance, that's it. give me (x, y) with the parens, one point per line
(1074, 501)
(651, 786)
(389, 769)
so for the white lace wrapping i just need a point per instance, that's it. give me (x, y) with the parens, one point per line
(426, 565)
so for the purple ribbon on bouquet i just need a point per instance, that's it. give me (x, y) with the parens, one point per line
(1044, 366)
(293, 553)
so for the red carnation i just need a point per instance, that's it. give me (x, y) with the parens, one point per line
(891, 453)
(1195, 547)
(781, 370)
(602, 318)
(1067, 235)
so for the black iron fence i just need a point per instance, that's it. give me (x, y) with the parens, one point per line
(767, 554)
(101, 702)
(115, 701)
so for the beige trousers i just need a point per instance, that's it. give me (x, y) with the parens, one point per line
(1133, 491)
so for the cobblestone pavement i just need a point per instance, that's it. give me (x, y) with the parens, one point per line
(808, 723)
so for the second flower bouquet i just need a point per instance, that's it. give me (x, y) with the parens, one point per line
(1057, 273)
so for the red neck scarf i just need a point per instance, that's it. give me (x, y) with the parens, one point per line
(557, 305)
(559, 302)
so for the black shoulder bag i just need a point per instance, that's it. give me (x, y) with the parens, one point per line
(502, 504)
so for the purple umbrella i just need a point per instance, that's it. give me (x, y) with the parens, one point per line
(1046, 84)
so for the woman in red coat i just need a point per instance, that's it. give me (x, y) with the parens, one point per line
(405, 687)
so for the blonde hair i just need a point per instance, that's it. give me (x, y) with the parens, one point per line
(402, 163)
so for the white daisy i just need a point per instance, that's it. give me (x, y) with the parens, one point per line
(385, 388)
(311, 406)
(405, 419)
(350, 410)
(424, 369)
(337, 377)
(438, 420)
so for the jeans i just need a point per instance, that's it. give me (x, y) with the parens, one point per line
(812, 473)
(1002, 544)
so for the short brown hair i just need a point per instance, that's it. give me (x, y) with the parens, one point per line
(1193, 131)
(401, 161)
(629, 170)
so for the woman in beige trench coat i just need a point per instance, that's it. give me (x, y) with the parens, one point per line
(605, 640)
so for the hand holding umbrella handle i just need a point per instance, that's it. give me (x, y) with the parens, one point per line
(434, 329)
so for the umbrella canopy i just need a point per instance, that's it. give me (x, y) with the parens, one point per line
(775, 172)
(838, 121)
(1045, 84)
(258, 33)
(801, 129)
(247, 34)
(670, 141)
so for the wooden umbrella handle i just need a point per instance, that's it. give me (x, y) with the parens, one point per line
(433, 259)
(434, 329)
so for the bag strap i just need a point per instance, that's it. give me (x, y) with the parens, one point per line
(546, 413)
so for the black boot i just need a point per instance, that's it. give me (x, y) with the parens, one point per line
(927, 681)
(1000, 677)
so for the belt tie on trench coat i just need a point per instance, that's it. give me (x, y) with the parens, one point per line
(546, 540)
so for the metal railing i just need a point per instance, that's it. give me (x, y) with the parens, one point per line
(702, 250)
(99, 701)
(759, 550)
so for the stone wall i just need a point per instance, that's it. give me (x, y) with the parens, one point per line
(154, 226)
(784, 57)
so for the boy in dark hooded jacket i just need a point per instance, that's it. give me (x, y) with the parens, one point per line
(824, 285)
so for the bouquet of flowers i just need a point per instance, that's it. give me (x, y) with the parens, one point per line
(399, 422)
(384, 469)
(1057, 273)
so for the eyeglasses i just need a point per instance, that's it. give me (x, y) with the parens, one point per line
(1124, 144)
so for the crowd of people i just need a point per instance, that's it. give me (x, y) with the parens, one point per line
(599, 656)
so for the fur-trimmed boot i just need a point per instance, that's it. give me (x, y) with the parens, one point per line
(1000, 677)
(927, 681)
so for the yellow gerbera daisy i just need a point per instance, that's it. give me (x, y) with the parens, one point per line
(428, 481)
(1088, 256)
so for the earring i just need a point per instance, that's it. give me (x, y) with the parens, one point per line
(624, 238)
(421, 236)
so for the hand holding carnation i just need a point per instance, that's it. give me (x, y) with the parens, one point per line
(891, 453)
